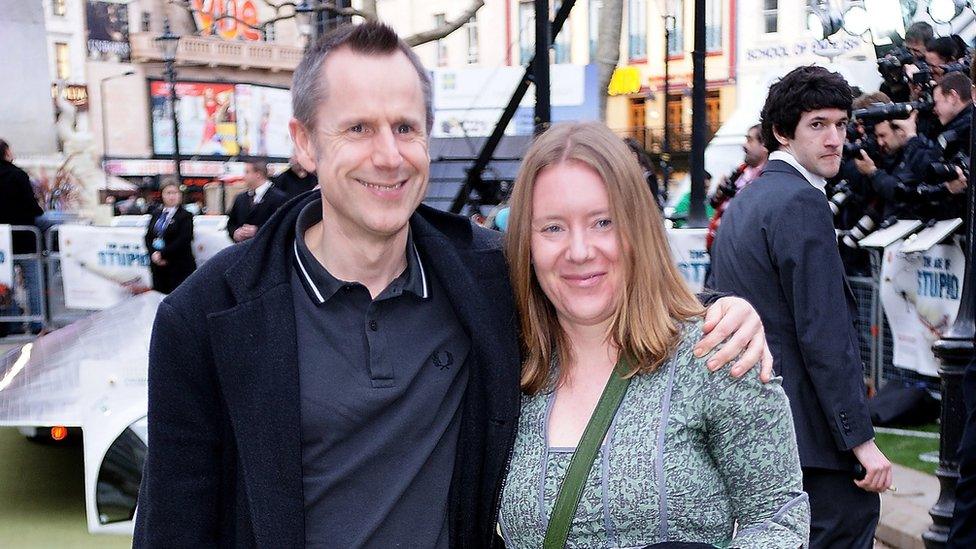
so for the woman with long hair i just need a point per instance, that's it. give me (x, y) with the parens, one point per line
(685, 455)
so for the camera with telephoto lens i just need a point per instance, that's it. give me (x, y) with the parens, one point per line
(943, 172)
(841, 194)
(864, 226)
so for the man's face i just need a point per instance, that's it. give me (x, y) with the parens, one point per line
(369, 147)
(935, 59)
(947, 105)
(252, 178)
(917, 48)
(890, 139)
(817, 142)
(754, 150)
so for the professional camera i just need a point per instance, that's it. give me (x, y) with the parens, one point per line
(880, 112)
(943, 172)
(842, 193)
(864, 226)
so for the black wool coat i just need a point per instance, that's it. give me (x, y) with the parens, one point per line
(224, 465)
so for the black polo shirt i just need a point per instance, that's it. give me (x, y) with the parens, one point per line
(381, 387)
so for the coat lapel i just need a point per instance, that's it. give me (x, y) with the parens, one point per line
(256, 357)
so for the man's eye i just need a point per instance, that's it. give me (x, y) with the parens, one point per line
(816, 125)
(404, 128)
(358, 128)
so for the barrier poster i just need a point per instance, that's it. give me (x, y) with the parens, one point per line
(209, 236)
(6, 257)
(690, 255)
(920, 293)
(101, 266)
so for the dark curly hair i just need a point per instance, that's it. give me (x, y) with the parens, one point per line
(804, 89)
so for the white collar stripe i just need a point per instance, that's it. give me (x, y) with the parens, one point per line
(308, 278)
(423, 275)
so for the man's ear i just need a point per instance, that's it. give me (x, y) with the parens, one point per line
(783, 141)
(304, 144)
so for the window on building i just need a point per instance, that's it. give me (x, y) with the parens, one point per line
(637, 29)
(713, 25)
(563, 43)
(594, 24)
(440, 20)
(62, 61)
(59, 7)
(526, 31)
(771, 15)
(676, 43)
(471, 29)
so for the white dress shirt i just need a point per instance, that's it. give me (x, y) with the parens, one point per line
(815, 180)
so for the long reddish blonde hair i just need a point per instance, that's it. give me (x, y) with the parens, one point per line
(655, 299)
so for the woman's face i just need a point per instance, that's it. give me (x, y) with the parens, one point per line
(171, 196)
(576, 251)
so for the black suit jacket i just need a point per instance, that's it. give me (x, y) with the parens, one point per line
(224, 466)
(777, 249)
(962, 535)
(244, 213)
(177, 250)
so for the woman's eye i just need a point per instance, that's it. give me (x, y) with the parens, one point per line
(550, 229)
(604, 223)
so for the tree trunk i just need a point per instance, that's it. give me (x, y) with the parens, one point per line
(608, 47)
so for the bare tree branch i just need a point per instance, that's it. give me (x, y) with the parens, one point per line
(447, 28)
(279, 7)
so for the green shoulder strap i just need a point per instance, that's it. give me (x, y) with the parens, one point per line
(571, 490)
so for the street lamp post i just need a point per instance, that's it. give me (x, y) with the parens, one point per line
(954, 351)
(101, 101)
(169, 43)
(540, 66)
(304, 18)
(666, 143)
(696, 210)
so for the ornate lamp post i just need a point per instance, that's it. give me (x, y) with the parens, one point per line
(954, 351)
(666, 143)
(305, 18)
(169, 43)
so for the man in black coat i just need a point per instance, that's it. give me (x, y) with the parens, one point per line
(255, 206)
(18, 206)
(776, 247)
(350, 376)
(295, 180)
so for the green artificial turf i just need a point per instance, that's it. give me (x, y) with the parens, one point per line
(904, 450)
(42, 501)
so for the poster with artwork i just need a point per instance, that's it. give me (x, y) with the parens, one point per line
(262, 121)
(690, 255)
(920, 293)
(102, 266)
(206, 115)
(108, 30)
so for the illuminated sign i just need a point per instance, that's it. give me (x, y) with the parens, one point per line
(228, 19)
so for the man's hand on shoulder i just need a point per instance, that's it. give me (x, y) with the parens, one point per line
(735, 317)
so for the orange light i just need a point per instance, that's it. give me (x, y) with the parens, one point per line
(59, 432)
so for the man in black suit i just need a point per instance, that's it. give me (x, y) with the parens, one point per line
(254, 207)
(295, 180)
(348, 377)
(776, 247)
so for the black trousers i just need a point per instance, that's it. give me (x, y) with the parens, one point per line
(842, 516)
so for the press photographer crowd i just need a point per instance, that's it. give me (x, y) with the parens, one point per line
(907, 151)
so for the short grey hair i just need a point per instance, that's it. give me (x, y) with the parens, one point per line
(369, 38)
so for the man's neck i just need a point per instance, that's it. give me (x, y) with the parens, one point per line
(351, 255)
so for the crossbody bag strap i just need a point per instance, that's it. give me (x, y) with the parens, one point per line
(571, 489)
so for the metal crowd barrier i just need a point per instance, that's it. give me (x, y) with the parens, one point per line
(31, 269)
(58, 313)
(874, 333)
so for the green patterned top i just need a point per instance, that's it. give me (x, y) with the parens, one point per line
(690, 456)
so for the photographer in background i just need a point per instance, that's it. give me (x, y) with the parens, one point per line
(954, 108)
(908, 157)
(917, 35)
(754, 161)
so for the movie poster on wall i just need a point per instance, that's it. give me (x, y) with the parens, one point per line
(206, 114)
(262, 121)
(108, 30)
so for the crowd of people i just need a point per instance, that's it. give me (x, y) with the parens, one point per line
(369, 371)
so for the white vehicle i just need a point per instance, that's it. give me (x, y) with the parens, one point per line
(91, 375)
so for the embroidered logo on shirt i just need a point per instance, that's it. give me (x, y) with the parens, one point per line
(442, 359)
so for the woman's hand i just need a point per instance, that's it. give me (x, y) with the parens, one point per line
(735, 317)
(157, 258)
